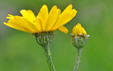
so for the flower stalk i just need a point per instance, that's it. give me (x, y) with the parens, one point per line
(48, 58)
(77, 59)
(44, 39)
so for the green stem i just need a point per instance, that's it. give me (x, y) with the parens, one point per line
(48, 58)
(78, 59)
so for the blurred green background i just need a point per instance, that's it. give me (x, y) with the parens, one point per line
(20, 52)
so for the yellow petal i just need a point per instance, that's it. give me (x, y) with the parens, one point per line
(14, 24)
(28, 14)
(17, 27)
(67, 9)
(84, 31)
(67, 16)
(62, 20)
(75, 30)
(52, 17)
(78, 29)
(25, 24)
(38, 23)
(63, 29)
(10, 16)
(59, 11)
(43, 14)
(73, 12)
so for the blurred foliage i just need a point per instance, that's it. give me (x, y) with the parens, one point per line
(20, 52)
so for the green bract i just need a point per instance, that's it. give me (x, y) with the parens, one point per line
(44, 38)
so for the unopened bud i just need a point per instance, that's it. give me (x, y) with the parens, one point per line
(78, 41)
(79, 36)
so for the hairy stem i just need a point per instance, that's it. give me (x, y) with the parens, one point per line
(48, 58)
(78, 59)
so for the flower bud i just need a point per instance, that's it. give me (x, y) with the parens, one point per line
(79, 36)
(44, 38)
(78, 41)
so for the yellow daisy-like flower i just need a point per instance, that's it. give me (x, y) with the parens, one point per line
(44, 22)
(78, 30)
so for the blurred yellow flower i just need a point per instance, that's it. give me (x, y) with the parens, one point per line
(78, 30)
(44, 22)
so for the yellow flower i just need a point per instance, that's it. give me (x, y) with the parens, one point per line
(44, 22)
(78, 30)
